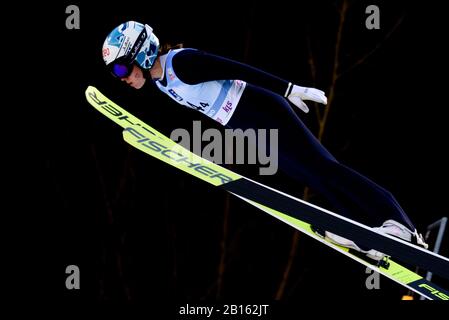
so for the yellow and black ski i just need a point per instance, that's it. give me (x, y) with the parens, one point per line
(295, 212)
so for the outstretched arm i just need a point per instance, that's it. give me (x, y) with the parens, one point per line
(194, 66)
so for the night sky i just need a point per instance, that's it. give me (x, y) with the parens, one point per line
(140, 230)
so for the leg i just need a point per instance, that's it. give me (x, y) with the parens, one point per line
(304, 159)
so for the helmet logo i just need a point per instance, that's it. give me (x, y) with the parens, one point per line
(138, 45)
(126, 46)
(106, 52)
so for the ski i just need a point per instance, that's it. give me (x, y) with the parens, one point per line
(295, 212)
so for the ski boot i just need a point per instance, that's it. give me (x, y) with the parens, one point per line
(389, 227)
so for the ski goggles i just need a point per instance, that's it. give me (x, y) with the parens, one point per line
(121, 69)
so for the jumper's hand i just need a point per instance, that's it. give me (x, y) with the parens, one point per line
(296, 94)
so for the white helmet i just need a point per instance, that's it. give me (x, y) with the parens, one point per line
(130, 43)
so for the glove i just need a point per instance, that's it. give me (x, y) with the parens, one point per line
(296, 94)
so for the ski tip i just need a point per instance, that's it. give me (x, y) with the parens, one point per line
(90, 89)
(92, 94)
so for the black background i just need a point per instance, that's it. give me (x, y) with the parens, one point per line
(141, 231)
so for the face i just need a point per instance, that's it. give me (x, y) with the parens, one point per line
(136, 78)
